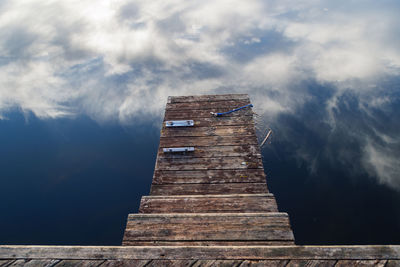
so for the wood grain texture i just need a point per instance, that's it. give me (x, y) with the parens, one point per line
(207, 98)
(125, 263)
(311, 263)
(208, 204)
(383, 252)
(228, 104)
(209, 227)
(220, 163)
(242, 130)
(204, 113)
(265, 263)
(361, 263)
(209, 189)
(209, 176)
(208, 141)
(215, 151)
(79, 263)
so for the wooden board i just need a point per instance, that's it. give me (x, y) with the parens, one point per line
(204, 113)
(209, 227)
(368, 252)
(209, 189)
(215, 151)
(209, 176)
(208, 204)
(209, 163)
(185, 141)
(228, 104)
(207, 98)
(208, 131)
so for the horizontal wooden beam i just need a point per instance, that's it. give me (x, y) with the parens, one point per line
(389, 252)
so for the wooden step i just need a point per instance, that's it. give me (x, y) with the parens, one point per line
(207, 98)
(209, 189)
(250, 203)
(209, 176)
(208, 227)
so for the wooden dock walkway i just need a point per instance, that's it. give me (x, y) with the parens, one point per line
(216, 194)
(207, 207)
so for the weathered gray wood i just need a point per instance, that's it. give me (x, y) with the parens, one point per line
(228, 104)
(223, 121)
(207, 98)
(209, 176)
(383, 252)
(210, 189)
(79, 263)
(393, 263)
(361, 263)
(125, 263)
(204, 113)
(166, 263)
(242, 130)
(265, 263)
(311, 263)
(215, 151)
(209, 227)
(217, 263)
(209, 163)
(208, 204)
(206, 243)
(4, 263)
(184, 141)
(33, 263)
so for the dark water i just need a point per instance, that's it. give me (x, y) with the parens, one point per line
(73, 181)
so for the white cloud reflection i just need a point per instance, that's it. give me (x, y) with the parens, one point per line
(119, 60)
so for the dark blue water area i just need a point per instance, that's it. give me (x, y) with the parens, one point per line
(71, 181)
(317, 174)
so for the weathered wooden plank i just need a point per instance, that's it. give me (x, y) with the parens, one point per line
(210, 189)
(311, 263)
(209, 176)
(206, 243)
(393, 263)
(381, 252)
(217, 263)
(79, 263)
(361, 263)
(202, 98)
(204, 113)
(185, 141)
(228, 104)
(222, 121)
(208, 131)
(207, 226)
(125, 263)
(166, 263)
(215, 151)
(33, 263)
(265, 263)
(208, 204)
(221, 163)
(4, 263)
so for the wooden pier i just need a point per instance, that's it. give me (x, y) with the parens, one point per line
(207, 207)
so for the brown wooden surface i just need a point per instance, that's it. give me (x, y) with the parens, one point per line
(207, 98)
(209, 176)
(215, 151)
(208, 204)
(383, 252)
(204, 113)
(228, 104)
(240, 130)
(209, 189)
(182, 141)
(209, 227)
